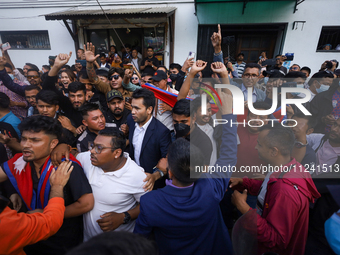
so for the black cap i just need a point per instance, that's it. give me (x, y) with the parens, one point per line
(159, 75)
(274, 73)
(52, 57)
(113, 94)
(102, 71)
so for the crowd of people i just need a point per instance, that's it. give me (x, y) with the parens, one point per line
(101, 157)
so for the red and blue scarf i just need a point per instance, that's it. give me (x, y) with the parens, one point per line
(19, 173)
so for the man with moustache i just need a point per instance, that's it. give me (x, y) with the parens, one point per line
(29, 172)
(77, 93)
(116, 180)
(94, 121)
(117, 114)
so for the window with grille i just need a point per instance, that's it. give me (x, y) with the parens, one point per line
(37, 40)
(329, 39)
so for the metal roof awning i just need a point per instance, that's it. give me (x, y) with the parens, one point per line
(126, 13)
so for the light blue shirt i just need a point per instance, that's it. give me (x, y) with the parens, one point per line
(245, 93)
(13, 120)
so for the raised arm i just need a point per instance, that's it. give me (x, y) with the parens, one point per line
(196, 67)
(7, 81)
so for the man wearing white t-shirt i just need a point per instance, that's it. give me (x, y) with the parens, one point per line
(116, 181)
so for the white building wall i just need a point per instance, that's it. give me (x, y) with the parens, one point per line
(60, 39)
(303, 42)
(13, 19)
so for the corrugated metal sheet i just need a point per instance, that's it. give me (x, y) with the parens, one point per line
(93, 12)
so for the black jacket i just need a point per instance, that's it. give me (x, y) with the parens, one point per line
(321, 106)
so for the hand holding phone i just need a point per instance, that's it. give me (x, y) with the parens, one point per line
(6, 46)
(191, 55)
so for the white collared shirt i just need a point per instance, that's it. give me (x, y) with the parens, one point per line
(166, 117)
(245, 93)
(138, 137)
(117, 191)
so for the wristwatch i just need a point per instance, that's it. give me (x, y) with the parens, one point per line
(158, 170)
(127, 218)
(300, 144)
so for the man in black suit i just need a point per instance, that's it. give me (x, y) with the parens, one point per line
(149, 138)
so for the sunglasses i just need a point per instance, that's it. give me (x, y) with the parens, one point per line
(33, 77)
(134, 78)
(116, 77)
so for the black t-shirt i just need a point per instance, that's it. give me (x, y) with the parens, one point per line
(71, 232)
(110, 118)
(149, 69)
(83, 140)
(198, 138)
(309, 158)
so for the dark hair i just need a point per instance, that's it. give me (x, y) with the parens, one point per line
(83, 74)
(280, 137)
(180, 153)
(70, 74)
(312, 121)
(296, 65)
(113, 70)
(113, 47)
(65, 67)
(196, 104)
(33, 70)
(46, 67)
(295, 74)
(9, 66)
(128, 45)
(116, 243)
(306, 68)
(32, 66)
(182, 107)
(4, 101)
(38, 123)
(175, 66)
(81, 50)
(322, 74)
(149, 48)
(76, 86)
(118, 139)
(32, 87)
(89, 107)
(48, 97)
(260, 105)
(147, 95)
(240, 54)
(102, 55)
(253, 65)
(161, 66)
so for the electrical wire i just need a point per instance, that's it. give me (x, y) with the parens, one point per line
(114, 30)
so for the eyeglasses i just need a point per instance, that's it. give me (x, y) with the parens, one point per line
(33, 77)
(294, 68)
(134, 78)
(98, 148)
(248, 75)
(116, 77)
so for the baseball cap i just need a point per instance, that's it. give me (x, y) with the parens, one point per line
(113, 94)
(159, 75)
(102, 71)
